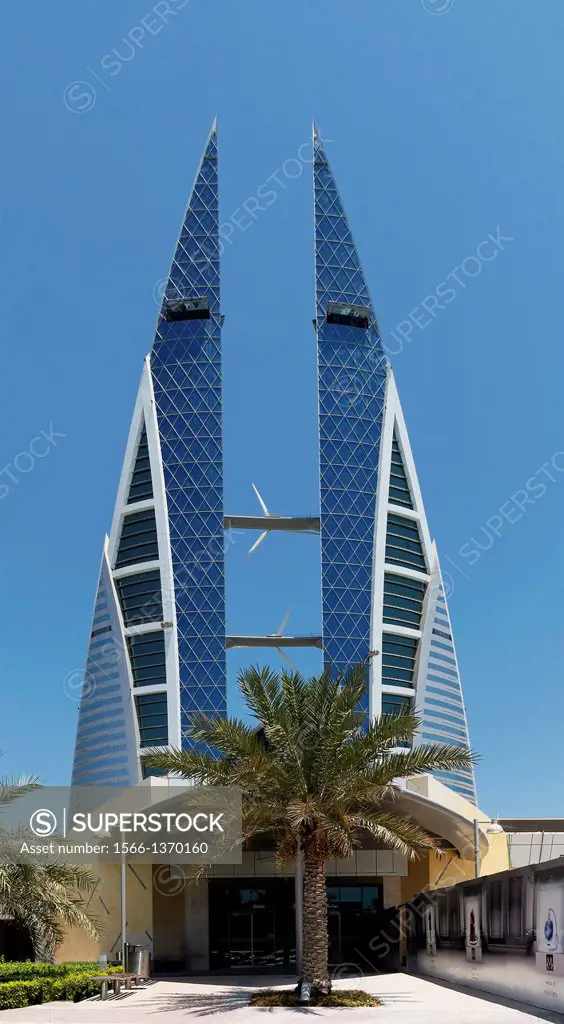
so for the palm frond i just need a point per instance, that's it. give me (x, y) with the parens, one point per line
(395, 831)
(425, 759)
(262, 693)
(14, 789)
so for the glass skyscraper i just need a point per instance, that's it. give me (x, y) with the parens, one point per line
(158, 644)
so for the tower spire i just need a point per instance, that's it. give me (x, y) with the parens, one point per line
(194, 271)
(339, 274)
(186, 378)
(352, 380)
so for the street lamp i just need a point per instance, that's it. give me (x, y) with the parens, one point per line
(494, 826)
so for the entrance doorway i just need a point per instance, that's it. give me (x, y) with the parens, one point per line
(356, 924)
(252, 937)
(252, 925)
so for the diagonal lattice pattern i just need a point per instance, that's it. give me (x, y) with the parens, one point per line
(352, 378)
(186, 369)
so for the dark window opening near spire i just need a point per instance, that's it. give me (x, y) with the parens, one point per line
(152, 717)
(400, 493)
(347, 315)
(403, 543)
(138, 541)
(141, 486)
(186, 309)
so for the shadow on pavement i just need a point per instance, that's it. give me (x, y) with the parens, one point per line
(491, 997)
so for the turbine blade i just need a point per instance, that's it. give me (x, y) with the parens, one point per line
(262, 504)
(286, 658)
(257, 542)
(282, 626)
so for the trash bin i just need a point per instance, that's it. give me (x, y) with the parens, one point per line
(141, 962)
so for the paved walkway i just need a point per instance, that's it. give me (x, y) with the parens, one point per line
(407, 1000)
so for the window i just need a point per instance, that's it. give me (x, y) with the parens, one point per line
(99, 754)
(455, 776)
(453, 914)
(347, 315)
(101, 629)
(436, 666)
(403, 600)
(444, 682)
(443, 704)
(153, 720)
(394, 704)
(439, 726)
(515, 906)
(187, 309)
(140, 597)
(357, 897)
(147, 657)
(149, 772)
(398, 660)
(403, 543)
(442, 907)
(439, 655)
(439, 632)
(495, 910)
(141, 486)
(434, 738)
(439, 645)
(399, 487)
(138, 541)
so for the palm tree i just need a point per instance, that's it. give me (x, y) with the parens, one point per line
(315, 777)
(40, 897)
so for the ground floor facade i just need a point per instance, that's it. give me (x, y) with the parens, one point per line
(242, 918)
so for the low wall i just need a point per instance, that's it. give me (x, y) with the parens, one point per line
(503, 934)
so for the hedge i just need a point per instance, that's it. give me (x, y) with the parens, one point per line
(24, 970)
(31, 983)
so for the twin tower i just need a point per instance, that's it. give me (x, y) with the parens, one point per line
(157, 650)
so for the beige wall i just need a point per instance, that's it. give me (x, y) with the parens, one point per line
(432, 870)
(105, 904)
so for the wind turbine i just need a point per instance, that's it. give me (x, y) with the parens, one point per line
(269, 515)
(265, 532)
(280, 633)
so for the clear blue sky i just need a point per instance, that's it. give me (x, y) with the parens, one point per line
(443, 127)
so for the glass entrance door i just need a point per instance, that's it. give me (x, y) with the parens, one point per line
(241, 938)
(252, 937)
(353, 916)
(264, 937)
(252, 924)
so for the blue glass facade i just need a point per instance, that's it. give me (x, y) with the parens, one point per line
(157, 651)
(105, 748)
(352, 379)
(186, 371)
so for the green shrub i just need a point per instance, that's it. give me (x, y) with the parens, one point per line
(27, 970)
(74, 987)
(14, 994)
(25, 984)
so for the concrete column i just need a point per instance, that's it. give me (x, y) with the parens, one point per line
(197, 926)
(392, 891)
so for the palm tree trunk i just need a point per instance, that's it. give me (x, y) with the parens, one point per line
(316, 940)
